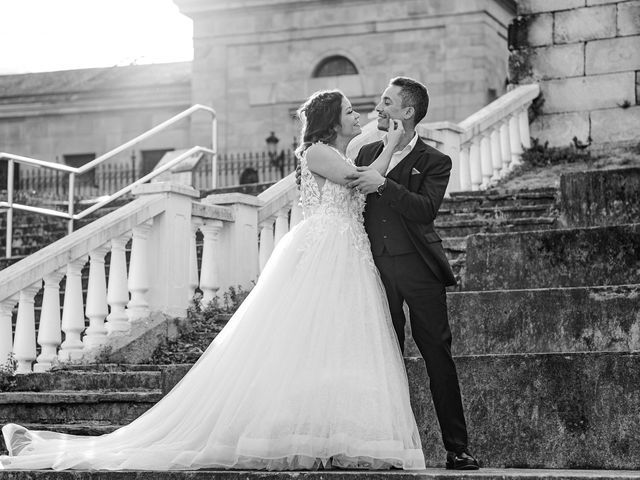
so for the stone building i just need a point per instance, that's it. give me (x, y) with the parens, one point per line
(585, 55)
(73, 116)
(255, 61)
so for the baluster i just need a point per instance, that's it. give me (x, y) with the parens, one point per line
(505, 147)
(209, 281)
(485, 160)
(523, 123)
(72, 312)
(193, 258)
(138, 306)
(117, 291)
(266, 242)
(465, 169)
(6, 334)
(514, 140)
(282, 225)
(49, 333)
(24, 347)
(474, 163)
(496, 154)
(96, 309)
(296, 212)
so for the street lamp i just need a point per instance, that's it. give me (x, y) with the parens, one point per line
(272, 150)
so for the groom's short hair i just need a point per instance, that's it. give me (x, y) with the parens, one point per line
(413, 94)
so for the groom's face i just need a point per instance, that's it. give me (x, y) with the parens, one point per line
(389, 107)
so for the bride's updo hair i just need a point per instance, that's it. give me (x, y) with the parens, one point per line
(319, 115)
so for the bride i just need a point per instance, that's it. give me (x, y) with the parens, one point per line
(307, 374)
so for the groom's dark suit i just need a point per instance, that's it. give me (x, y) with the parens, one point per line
(413, 267)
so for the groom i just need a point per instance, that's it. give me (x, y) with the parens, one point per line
(399, 215)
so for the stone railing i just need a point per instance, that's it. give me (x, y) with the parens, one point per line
(280, 211)
(162, 277)
(487, 145)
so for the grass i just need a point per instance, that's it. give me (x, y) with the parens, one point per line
(535, 174)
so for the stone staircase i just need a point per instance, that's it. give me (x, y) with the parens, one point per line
(546, 330)
(493, 211)
(33, 231)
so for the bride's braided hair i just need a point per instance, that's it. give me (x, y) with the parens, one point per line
(319, 115)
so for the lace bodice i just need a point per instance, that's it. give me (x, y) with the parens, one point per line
(334, 208)
(333, 199)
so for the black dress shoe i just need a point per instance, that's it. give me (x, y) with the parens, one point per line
(461, 461)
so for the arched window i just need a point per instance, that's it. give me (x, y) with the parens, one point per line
(334, 66)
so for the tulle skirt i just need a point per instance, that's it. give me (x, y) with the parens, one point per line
(306, 374)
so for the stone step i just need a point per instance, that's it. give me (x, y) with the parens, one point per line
(575, 410)
(601, 197)
(462, 201)
(74, 406)
(428, 474)
(455, 244)
(459, 228)
(77, 380)
(571, 410)
(554, 258)
(576, 319)
(32, 232)
(35, 225)
(495, 213)
(7, 262)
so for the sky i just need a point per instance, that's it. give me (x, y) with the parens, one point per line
(49, 35)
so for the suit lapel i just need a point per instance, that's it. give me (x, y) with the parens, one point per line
(401, 173)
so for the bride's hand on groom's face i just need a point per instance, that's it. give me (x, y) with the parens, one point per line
(366, 180)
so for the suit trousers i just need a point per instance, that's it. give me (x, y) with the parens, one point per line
(407, 278)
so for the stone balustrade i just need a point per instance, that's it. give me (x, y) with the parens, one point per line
(487, 145)
(162, 277)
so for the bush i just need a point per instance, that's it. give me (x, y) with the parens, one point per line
(203, 325)
(540, 155)
(7, 374)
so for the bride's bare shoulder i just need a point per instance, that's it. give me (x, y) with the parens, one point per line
(320, 149)
(325, 161)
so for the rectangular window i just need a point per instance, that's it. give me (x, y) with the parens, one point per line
(77, 160)
(4, 171)
(150, 159)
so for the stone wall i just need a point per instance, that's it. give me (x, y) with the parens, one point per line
(585, 54)
(51, 114)
(254, 59)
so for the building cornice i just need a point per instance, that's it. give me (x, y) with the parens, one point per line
(193, 7)
(22, 110)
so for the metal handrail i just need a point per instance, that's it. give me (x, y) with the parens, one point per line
(73, 172)
(149, 133)
(146, 178)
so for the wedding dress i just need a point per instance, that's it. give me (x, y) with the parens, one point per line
(306, 374)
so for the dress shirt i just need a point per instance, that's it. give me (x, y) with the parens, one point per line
(396, 157)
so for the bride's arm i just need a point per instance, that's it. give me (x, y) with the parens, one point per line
(325, 162)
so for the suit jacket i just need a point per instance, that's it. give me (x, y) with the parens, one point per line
(415, 189)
